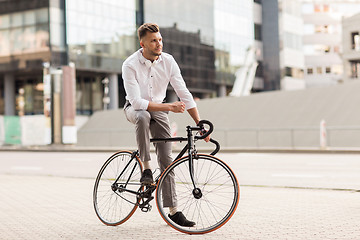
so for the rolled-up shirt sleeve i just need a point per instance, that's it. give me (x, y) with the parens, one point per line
(132, 89)
(178, 83)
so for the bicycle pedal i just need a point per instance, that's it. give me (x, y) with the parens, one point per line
(146, 208)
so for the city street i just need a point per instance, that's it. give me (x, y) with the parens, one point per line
(333, 171)
(48, 195)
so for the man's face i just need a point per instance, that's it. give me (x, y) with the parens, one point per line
(152, 44)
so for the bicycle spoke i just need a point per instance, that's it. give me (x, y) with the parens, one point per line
(217, 201)
(114, 206)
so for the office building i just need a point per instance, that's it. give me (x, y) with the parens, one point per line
(292, 61)
(63, 53)
(351, 47)
(322, 39)
(278, 39)
(211, 40)
(95, 36)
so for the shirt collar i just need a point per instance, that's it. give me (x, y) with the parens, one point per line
(142, 59)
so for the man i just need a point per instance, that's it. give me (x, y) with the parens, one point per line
(147, 74)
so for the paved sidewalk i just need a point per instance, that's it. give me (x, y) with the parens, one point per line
(42, 207)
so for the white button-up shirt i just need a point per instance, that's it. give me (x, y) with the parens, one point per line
(147, 81)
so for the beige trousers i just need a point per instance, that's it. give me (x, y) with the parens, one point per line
(156, 123)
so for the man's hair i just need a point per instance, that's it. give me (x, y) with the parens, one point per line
(147, 27)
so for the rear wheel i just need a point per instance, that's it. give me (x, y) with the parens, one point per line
(211, 204)
(113, 204)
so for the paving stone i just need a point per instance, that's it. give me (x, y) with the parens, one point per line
(44, 207)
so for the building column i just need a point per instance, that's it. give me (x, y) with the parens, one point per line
(113, 91)
(222, 91)
(9, 92)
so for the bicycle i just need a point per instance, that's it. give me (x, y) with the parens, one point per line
(206, 188)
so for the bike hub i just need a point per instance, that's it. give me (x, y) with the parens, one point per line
(197, 193)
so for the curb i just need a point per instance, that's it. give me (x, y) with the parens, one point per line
(74, 148)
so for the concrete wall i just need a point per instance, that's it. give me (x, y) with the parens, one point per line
(281, 119)
(30, 130)
(350, 25)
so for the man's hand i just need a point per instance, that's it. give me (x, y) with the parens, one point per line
(177, 107)
(207, 139)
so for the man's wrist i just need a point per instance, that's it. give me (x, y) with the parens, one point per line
(170, 107)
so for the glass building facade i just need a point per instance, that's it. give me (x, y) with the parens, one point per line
(95, 35)
(207, 38)
(100, 35)
(24, 45)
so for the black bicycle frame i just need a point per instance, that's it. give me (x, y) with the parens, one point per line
(189, 147)
(132, 158)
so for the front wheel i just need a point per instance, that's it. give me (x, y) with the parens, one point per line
(210, 203)
(118, 179)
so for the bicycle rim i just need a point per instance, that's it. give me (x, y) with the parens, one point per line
(114, 207)
(219, 188)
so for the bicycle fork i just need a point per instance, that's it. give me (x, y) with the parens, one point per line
(192, 154)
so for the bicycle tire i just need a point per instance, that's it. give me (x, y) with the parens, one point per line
(114, 207)
(219, 188)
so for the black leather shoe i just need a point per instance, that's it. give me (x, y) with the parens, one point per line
(147, 177)
(181, 220)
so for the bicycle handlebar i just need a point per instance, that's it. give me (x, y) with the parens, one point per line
(205, 133)
(199, 128)
(217, 147)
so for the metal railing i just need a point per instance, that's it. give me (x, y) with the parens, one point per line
(290, 137)
(251, 138)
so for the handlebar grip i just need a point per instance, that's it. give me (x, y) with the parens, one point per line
(201, 125)
(217, 147)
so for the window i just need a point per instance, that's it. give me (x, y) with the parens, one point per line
(257, 32)
(309, 28)
(355, 41)
(4, 21)
(355, 69)
(326, 8)
(323, 29)
(319, 70)
(294, 72)
(321, 49)
(310, 71)
(288, 71)
(293, 41)
(328, 70)
(326, 28)
(29, 95)
(2, 102)
(259, 70)
(321, 8)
